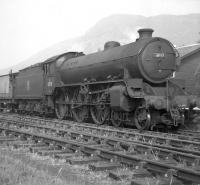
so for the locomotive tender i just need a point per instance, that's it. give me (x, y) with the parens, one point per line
(129, 84)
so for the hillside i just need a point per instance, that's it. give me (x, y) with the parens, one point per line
(179, 29)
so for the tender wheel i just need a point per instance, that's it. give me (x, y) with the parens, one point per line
(60, 106)
(142, 118)
(79, 110)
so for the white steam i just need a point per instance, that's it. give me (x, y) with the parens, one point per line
(77, 47)
(132, 34)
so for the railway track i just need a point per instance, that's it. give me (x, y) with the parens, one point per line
(146, 156)
(192, 133)
(179, 134)
(161, 140)
(190, 142)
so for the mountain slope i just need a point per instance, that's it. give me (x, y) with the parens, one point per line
(179, 29)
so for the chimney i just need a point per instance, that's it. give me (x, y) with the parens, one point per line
(145, 33)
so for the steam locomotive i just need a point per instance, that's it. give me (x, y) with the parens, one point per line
(130, 84)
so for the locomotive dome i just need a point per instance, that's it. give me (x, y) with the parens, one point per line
(111, 44)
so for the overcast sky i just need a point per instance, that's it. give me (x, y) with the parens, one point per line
(28, 26)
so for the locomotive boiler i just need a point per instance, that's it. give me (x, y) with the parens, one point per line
(129, 84)
(151, 59)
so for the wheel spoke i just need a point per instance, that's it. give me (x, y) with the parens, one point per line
(99, 115)
(79, 111)
(142, 118)
(115, 119)
(60, 106)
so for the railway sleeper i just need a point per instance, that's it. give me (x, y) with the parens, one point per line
(6, 139)
(50, 152)
(104, 166)
(85, 160)
(153, 181)
(65, 155)
(141, 176)
(36, 148)
(129, 174)
(19, 143)
(121, 174)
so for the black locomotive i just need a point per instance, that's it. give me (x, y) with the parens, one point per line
(130, 84)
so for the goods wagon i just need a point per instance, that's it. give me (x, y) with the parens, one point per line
(5, 87)
(7, 84)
